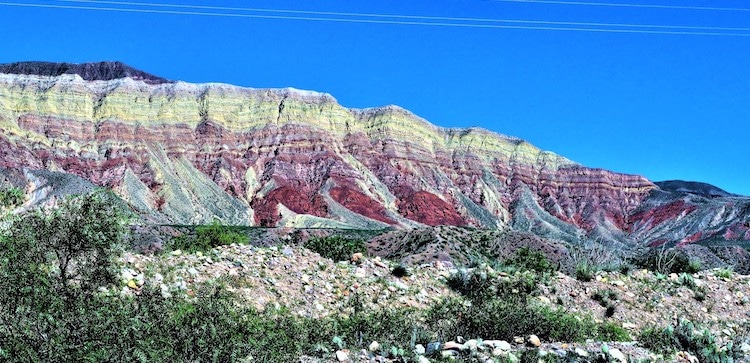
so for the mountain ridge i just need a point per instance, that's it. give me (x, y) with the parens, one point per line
(91, 71)
(285, 157)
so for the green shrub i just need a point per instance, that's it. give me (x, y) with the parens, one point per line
(684, 336)
(666, 261)
(336, 248)
(699, 294)
(527, 259)
(610, 311)
(502, 319)
(658, 340)
(693, 266)
(500, 307)
(686, 280)
(207, 237)
(400, 271)
(478, 285)
(585, 272)
(723, 273)
(11, 197)
(604, 297)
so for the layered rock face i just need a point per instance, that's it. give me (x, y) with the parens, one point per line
(285, 157)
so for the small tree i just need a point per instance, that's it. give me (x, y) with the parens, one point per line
(68, 249)
(51, 263)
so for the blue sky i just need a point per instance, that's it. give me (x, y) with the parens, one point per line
(666, 106)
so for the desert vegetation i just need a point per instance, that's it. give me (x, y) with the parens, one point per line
(64, 297)
(10, 197)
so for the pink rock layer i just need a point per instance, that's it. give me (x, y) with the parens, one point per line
(298, 165)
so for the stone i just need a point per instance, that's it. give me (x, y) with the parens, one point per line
(419, 349)
(453, 346)
(581, 353)
(342, 356)
(127, 275)
(287, 251)
(501, 344)
(357, 257)
(617, 355)
(433, 347)
(423, 359)
(533, 340)
(374, 346)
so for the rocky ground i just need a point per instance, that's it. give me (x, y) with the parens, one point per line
(308, 285)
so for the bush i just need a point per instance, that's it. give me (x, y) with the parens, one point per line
(11, 197)
(593, 256)
(686, 280)
(699, 294)
(207, 237)
(666, 261)
(478, 285)
(499, 307)
(530, 260)
(604, 297)
(502, 319)
(400, 271)
(336, 248)
(684, 336)
(723, 273)
(585, 272)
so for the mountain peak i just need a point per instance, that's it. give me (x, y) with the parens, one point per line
(703, 189)
(94, 71)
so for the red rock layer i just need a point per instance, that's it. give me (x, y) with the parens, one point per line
(297, 161)
(661, 214)
(359, 203)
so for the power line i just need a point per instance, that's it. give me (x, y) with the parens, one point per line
(374, 21)
(398, 16)
(625, 5)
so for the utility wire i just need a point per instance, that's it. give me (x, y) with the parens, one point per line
(418, 17)
(625, 5)
(373, 21)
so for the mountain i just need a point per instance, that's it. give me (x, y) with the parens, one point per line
(702, 189)
(186, 153)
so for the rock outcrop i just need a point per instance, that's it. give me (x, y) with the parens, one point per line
(286, 157)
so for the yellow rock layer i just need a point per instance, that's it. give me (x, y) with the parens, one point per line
(241, 109)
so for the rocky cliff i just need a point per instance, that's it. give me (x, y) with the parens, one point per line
(286, 157)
